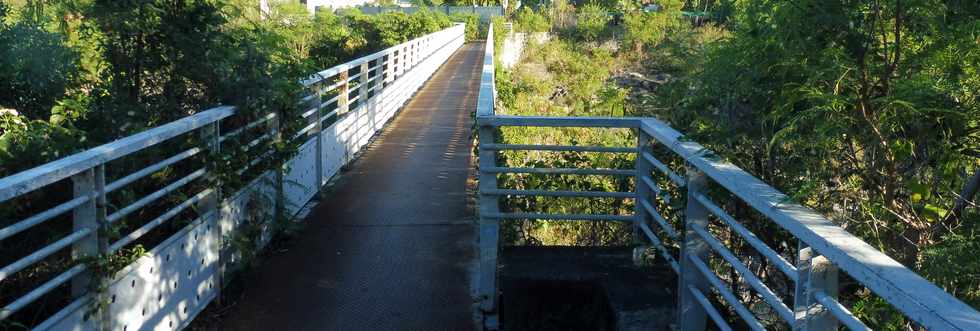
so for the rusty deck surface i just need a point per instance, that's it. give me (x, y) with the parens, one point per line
(392, 245)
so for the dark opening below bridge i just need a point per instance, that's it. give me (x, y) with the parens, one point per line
(391, 244)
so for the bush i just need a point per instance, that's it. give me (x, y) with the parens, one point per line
(529, 21)
(650, 28)
(472, 21)
(36, 68)
(592, 20)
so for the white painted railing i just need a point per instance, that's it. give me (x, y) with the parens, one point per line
(166, 288)
(824, 247)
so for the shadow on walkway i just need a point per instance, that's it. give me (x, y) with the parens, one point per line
(391, 247)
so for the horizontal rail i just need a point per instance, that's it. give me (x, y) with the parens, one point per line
(45, 288)
(128, 179)
(654, 187)
(660, 246)
(710, 309)
(142, 202)
(43, 253)
(660, 220)
(770, 254)
(576, 194)
(34, 178)
(566, 217)
(767, 294)
(674, 177)
(248, 126)
(558, 148)
(43, 217)
(544, 121)
(561, 171)
(132, 236)
(726, 294)
(916, 297)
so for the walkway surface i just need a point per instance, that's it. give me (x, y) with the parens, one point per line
(392, 244)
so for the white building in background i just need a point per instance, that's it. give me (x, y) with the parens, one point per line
(312, 5)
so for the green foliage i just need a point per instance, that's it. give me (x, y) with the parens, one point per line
(592, 20)
(24, 142)
(350, 33)
(36, 67)
(527, 20)
(642, 28)
(866, 111)
(84, 72)
(563, 78)
(473, 27)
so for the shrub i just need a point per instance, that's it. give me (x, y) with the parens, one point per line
(529, 21)
(36, 68)
(592, 20)
(472, 21)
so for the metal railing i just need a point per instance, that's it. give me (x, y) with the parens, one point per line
(166, 288)
(824, 247)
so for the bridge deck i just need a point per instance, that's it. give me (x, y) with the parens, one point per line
(391, 246)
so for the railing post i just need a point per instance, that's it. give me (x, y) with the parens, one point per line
(279, 173)
(363, 87)
(389, 70)
(211, 140)
(643, 169)
(816, 274)
(91, 216)
(489, 227)
(692, 316)
(343, 98)
(317, 129)
(403, 60)
(415, 54)
(379, 75)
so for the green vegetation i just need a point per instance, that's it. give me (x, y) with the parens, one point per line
(78, 73)
(866, 111)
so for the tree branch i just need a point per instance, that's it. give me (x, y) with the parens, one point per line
(965, 198)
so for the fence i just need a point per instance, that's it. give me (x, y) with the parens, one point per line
(485, 12)
(167, 287)
(824, 248)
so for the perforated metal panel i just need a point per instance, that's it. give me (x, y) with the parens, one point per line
(163, 290)
(299, 182)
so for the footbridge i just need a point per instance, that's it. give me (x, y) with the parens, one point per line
(396, 223)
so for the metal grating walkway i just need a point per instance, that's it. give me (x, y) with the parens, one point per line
(391, 246)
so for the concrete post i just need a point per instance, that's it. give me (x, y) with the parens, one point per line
(692, 316)
(643, 193)
(210, 139)
(363, 87)
(85, 217)
(343, 99)
(816, 274)
(317, 129)
(489, 228)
